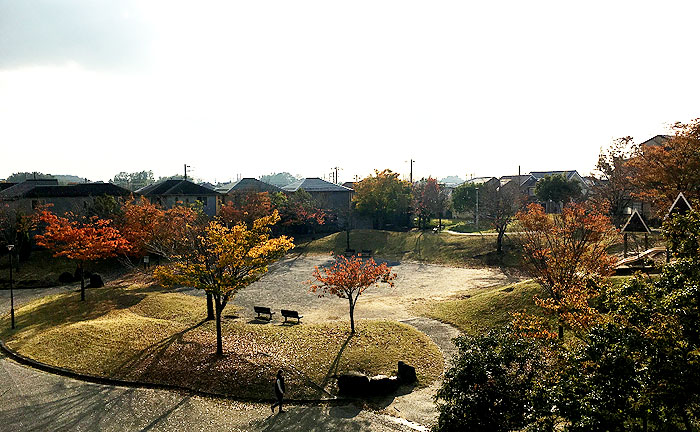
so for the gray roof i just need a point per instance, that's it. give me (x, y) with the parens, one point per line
(315, 184)
(542, 174)
(249, 184)
(479, 180)
(175, 187)
(522, 179)
(51, 189)
(657, 140)
(20, 189)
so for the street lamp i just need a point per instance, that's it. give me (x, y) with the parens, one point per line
(12, 297)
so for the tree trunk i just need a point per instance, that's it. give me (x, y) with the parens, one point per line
(499, 241)
(561, 331)
(210, 307)
(352, 315)
(219, 342)
(82, 282)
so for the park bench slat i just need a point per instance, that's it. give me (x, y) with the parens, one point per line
(261, 310)
(291, 314)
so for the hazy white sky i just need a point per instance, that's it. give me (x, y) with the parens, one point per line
(92, 88)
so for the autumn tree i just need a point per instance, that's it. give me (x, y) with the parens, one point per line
(383, 197)
(80, 239)
(567, 255)
(557, 188)
(613, 187)
(349, 278)
(660, 172)
(429, 200)
(224, 260)
(148, 228)
(299, 210)
(245, 207)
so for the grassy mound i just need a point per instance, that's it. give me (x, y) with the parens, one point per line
(443, 248)
(488, 309)
(138, 332)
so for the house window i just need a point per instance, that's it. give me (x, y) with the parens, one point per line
(531, 191)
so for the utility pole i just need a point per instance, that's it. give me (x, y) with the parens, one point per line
(411, 176)
(335, 177)
(186, 166)
(477, 209)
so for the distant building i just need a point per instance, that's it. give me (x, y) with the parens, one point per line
(249, 184)
(169, 193)
(30, 194)
(329, 196)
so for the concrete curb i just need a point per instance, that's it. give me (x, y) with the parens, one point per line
(19, 358)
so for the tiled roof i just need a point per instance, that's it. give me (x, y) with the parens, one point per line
(541, 174)
(20, 189)
(657, 140)
(479, 180)
(175, 187)
(253, 185)
(5, 185)
(315, 184)
(78, 190)
(49, 188)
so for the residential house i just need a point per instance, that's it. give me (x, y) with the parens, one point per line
(331, 197)
(30, 194)
(169, 193)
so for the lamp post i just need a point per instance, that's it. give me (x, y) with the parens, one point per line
(12, 297)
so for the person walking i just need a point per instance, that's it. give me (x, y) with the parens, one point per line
(279, 391)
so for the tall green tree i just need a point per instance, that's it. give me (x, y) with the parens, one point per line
(557, 188)
(385, 198)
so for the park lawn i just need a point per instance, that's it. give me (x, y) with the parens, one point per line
(425, 246)
(143, 333)
(487, 309)
(491, 308)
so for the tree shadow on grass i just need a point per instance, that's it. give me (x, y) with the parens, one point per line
(152, 355)
(333, 369)
(68, 309)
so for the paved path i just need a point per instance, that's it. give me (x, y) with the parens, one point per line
(32, 400)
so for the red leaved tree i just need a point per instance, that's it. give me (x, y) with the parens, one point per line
(349, 278)
(80, 240)
(245, 207)
(567, 255)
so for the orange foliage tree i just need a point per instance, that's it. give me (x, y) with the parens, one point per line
(150, 229)
(660, 172)
(567, 255)
(170, 233)
(224, 260)
(349, 278)
(245, 207)
(80, 240)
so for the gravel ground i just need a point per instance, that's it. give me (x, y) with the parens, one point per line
(285, 286)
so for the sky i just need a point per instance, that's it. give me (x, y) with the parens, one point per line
(468, 88)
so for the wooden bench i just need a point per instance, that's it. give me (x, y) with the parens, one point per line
(291, 314)
(263, 311)
(366, 253)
